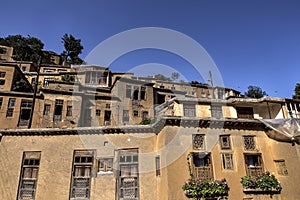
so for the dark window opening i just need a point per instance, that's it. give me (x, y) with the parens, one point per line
(25, 112)
(69, 111)
(58, 110)
(254, 164)
(128, 91)
(143, 93)
(47, 109)
(2, 82)
(245, 112)
(136, 93)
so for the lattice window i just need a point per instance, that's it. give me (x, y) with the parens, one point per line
(245, 112)
(128, 177)
(81, 176)
(29, 174)
(105, 165)
(189, 110)
(227, 161)
(225, 142)
(198, 141)
(281, 167)
(249, 143)
(216, 111)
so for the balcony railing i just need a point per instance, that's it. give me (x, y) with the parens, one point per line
(254, 170)
(203, 172)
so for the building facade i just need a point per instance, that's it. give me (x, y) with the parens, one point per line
(97, 134)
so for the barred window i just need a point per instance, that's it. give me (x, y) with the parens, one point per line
(81, 175)
(29, 174)
(227, 161)
(281, 167)
(249, 143)
(129, 174)
(254, 164)
(198, 141)
(225, 142)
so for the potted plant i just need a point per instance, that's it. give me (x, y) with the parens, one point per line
(264, 182)
(197, 188)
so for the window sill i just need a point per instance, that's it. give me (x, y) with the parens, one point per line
(104, 173)
(260, 191)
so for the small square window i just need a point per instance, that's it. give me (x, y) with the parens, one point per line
(198, 141)
(281, 167)
(2, 74)
(105, 165)
(107, 105)
(135, 113)
(225, 142)
(98, 112)
(249, 143)
(2, 82)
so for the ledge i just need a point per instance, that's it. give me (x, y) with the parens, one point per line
(260, 191)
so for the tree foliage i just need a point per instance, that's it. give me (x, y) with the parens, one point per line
(25, 48)
(160, 77)
(72, 50)
(297, 91)
(255, 92)
(175, 76)
(68, 78)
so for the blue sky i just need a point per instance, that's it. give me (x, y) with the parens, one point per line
(252, 42)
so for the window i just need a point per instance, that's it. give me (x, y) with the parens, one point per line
(143, 93)
(11, 105)
(29, 175)
(129, 174)
(105, 165)
(157, 165)
(69, 111)
(198, 141)
(145, 115)
(107, 115)
(201, 166)
(245, 112)
(24, 68)
(95, 78)
(81, 174)
(136, 93)
(47, 80)
(225, 142)
(1, 101)
(216, 111)
(249, 143)
(58, 110)
(2, 82)
(281, 167)
(2, 74)
(227, 161)
(3, 51)
(254, 164)
(98, 112)
(135, 113)
(107, 106)
(25, 112)
(128, 91)
(125, 115)
(221, 92)
(189, 110)
(47, 109)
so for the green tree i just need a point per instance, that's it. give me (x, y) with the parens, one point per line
(68, 78)
(72, 50)
(175, 76)
(160, 77)
(25, 48)
(297, 91)
(255, 92)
